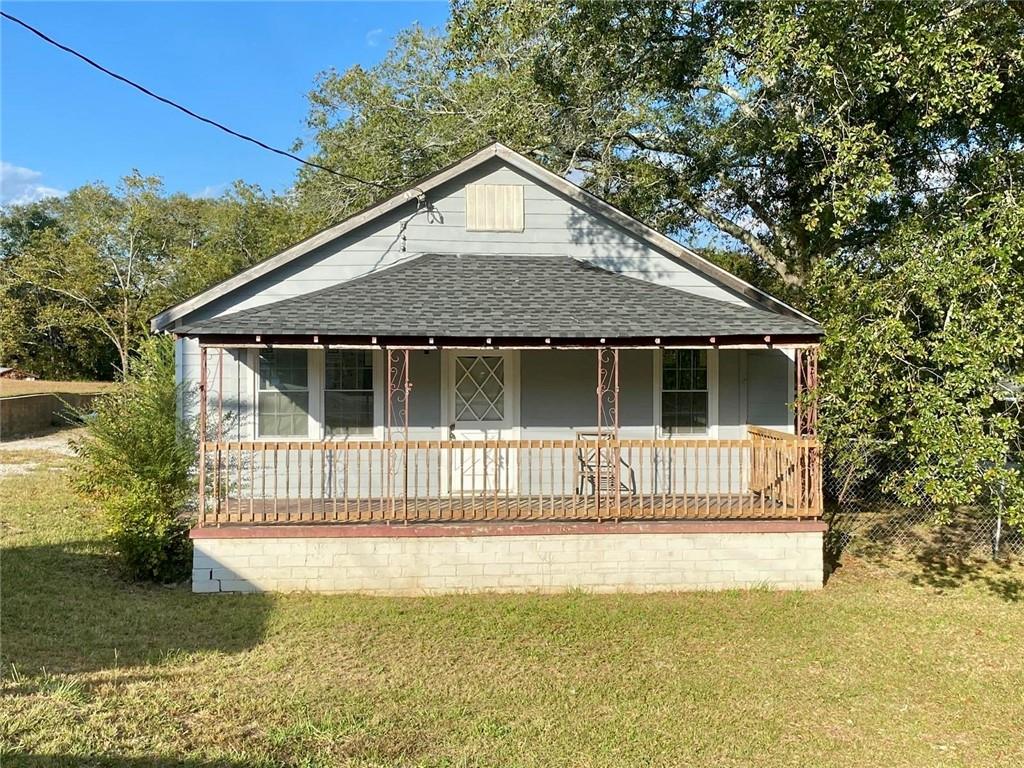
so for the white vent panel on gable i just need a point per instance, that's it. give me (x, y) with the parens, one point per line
(494, 207)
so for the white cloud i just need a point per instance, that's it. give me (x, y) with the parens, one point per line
(211, 190)
(19, 186)
(373, 37)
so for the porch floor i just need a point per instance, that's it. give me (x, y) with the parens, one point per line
(747, 506)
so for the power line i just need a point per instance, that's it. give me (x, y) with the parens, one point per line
(186, 110)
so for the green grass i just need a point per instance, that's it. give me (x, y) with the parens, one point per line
(891, 664)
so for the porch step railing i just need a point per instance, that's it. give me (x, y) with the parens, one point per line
(768, 474)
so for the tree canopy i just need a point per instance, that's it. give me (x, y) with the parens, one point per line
(83, 274)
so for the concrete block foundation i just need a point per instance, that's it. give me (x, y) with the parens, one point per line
(509, 557)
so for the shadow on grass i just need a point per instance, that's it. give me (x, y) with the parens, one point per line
(66, 609)
(30, 760)
(941, 562)
(946, 562)
(941, 556)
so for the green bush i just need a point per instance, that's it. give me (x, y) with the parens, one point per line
(136, 459)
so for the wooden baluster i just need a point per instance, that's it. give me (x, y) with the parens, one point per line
(449, 455)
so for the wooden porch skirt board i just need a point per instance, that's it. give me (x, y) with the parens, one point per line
(439, 558)
(508, 528)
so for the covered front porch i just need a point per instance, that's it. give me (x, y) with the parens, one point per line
(484, 465)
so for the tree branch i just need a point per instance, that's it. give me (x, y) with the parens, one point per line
(760, 248)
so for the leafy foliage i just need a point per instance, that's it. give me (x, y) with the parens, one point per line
(136, 460)
(81, 276)
(925, 352)
(794, 131)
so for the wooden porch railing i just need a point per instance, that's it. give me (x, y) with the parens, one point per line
(766, 475)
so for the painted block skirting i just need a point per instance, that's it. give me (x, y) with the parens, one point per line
(631, 561)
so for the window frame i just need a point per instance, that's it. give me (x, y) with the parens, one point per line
(510, 426)
(317, 430)
(711, 431)
(372, 430)
(311, 389)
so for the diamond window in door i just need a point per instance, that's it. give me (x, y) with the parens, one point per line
(479, 388)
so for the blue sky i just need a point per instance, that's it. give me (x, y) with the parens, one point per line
(247, 64)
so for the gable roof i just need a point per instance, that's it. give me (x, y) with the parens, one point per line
(476, 295)
(586, 200)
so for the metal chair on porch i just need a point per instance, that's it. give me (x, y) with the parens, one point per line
(597, 466)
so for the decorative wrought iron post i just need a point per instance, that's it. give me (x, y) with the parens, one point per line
(220, 396)
(806, 392)
(607, 424)
(202, 434)
(397, 419)
(807, 425)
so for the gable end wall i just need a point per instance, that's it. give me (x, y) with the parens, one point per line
(554, 226)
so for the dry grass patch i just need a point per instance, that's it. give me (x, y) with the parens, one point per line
(879, 668)
(12, 387)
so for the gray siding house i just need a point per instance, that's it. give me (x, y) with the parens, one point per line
(495, 380)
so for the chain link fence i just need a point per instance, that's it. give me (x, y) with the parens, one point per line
(860, 511)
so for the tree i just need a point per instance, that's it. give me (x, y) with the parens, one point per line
(28, 338)
(105, 261)
(926, 339)
(82, 275)
(793, 130)
(219, 238)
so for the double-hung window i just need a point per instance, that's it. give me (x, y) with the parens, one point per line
(283, 404)
(684, 391)
(348, 391)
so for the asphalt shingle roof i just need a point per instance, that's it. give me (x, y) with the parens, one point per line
(475, 295)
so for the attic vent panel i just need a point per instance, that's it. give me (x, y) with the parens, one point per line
(494, 208)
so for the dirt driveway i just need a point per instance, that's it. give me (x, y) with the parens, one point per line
(55, 442)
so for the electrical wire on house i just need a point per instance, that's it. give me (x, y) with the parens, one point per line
(186, 110)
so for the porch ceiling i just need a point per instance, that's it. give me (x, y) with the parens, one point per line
(504, 297)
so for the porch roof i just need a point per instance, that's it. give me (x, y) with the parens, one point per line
(504, 297)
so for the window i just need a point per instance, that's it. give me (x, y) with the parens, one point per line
(283, 398)
(684, 391)
(479, 388)
(348, 391)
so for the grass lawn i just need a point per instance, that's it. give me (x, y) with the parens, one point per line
(892, 664)
(12, 387)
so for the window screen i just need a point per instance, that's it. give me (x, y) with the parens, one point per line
(684, 391)
(348, 391)
(283, 403)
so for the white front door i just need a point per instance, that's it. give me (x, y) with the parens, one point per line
(482, 392)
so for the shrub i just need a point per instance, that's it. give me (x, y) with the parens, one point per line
(136, 459)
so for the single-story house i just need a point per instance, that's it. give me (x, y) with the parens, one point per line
(9, 372)
(495, 380)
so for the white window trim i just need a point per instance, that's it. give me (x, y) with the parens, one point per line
(379, 428)
(711, 433)
(317, 428)
(314, 383)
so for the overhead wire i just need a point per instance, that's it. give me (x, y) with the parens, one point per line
(171, 103)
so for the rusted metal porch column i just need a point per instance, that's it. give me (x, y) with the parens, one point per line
(202, 435)
(807, 426)
(397, 421)
(608, 427)
(806, 391)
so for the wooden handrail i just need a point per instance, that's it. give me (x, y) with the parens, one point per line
(767, 474)
(777, 434)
